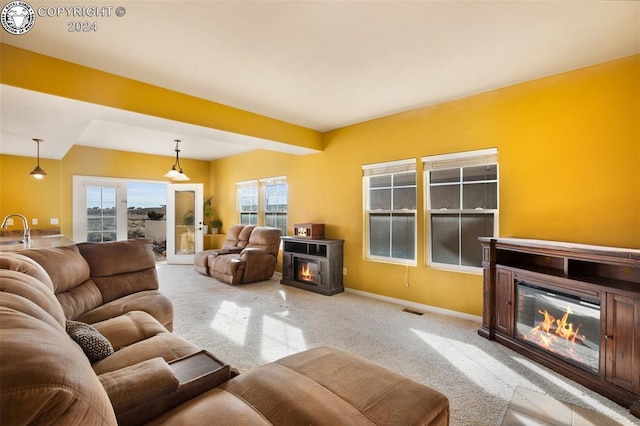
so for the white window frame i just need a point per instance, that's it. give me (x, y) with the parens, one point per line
(460, 160)
(377, 170)
(240, 187)
(80, 184)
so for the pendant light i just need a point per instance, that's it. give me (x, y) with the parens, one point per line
(38, 173)
(176, 173)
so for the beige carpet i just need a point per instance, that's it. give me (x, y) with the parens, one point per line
(253, 324)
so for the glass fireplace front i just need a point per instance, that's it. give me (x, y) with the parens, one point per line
(306, 270)
(564, 325)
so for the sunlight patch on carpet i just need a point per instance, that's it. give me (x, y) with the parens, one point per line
(280, 339)
(571, 387)
(481, 368)
(232, 321)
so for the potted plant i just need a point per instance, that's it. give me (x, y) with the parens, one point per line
(216, 224)
(207, 212)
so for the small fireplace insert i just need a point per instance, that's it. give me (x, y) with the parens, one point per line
(565, 325)
(307, 270)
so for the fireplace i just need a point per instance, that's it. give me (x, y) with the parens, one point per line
(574, 308)
(312, 264)
(564, 325)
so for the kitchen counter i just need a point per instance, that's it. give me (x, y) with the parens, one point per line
(46, 241)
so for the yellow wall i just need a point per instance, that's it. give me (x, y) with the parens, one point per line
(569, 154)
(19, 193)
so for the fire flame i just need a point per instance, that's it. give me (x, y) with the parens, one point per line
(305, 273)
(550, 332)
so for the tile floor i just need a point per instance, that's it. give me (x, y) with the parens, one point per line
(530, 408)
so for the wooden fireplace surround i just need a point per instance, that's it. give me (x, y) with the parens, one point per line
(611, 275)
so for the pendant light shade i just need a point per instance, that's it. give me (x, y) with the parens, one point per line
(38, 173)
(176, 173)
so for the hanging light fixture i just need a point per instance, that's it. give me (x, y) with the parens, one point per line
(176, 173)
(38, 173)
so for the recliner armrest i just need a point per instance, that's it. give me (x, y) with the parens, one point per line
(139, 384)
(228, 250)
(251, 253)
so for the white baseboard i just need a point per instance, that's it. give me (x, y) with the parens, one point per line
(416, 306)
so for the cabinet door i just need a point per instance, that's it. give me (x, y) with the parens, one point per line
(287, 266)
(621, 341)
(504, 301)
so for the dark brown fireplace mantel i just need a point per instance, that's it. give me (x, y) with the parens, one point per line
(607, 275)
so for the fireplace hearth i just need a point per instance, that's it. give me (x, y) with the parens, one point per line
(312, 264)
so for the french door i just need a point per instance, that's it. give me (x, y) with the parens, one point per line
(184, 222)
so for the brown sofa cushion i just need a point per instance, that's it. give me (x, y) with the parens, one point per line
(266, 239)
(70, 275)
(152, 302)
(30, 294)
(65, 266)
(26, 265)
(120, 268)
(129, 328)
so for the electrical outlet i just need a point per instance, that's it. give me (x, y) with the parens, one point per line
(53, 221)
(344, 271)
(34, 221)
(9, 222)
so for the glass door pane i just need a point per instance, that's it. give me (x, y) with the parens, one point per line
(101, 214)
(184, 222)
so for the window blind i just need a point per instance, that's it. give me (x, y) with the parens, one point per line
(247, 184)
(458, 160)
(399, 166)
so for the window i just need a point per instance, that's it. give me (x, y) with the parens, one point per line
(390, 209)
(462, 205)
(274, 196)
(248, 202)
(270, 206)
(99, 209)
(101, 213)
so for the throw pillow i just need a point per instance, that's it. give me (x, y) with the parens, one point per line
(94, 344)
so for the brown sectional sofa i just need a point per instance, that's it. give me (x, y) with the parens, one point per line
(154, 375)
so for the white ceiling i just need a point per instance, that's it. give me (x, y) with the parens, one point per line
(319, 64)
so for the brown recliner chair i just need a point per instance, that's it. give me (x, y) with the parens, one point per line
(237, 239)
(256, 262)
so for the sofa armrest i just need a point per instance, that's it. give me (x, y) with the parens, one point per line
(139, 384)
(229, 250)
(258, 264)
(250, 254)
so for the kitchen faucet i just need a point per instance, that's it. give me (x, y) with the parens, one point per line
(25, 224)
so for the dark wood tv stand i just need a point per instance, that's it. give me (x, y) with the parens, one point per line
(606, 274)
(322, 255)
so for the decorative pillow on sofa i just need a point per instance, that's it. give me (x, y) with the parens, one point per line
(94, 344)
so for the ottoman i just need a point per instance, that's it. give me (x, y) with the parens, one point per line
(320, 386)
